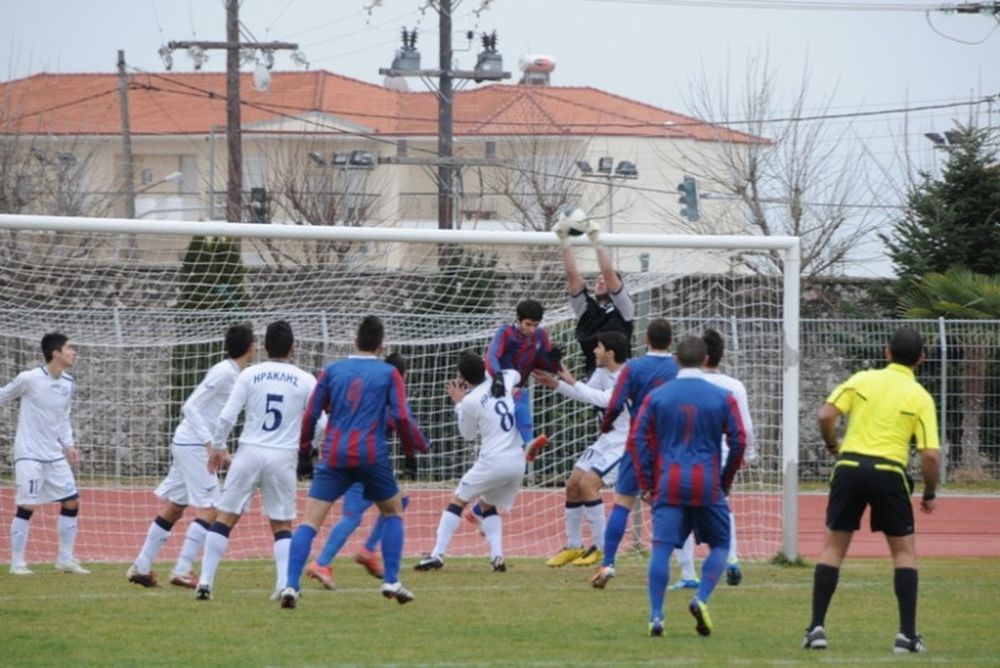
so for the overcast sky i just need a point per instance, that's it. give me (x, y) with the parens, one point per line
(648, 50)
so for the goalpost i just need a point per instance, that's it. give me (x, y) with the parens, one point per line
(147, 302)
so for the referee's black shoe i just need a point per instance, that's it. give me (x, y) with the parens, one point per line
(907, 645)
(815, 638)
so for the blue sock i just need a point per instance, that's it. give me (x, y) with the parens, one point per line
(392, 547)
(298, 552)
(659, 576)
(711, 571)
(339, 534)
(376, 535)
(614, 532)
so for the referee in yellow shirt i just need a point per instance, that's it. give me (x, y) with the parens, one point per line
(888, 408)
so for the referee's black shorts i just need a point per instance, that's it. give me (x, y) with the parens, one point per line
(859, 481)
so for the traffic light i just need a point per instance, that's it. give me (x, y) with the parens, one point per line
(689, 198)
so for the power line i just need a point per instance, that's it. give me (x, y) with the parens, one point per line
(625, 125)
(797, 5)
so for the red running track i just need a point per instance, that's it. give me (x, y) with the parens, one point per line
(114, 522)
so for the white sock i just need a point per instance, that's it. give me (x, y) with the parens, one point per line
(733, 554)
(67, 538)
(574, 526)
(281, 548)
(19, 541)
(156, 538)
(215, 547)
(685, 559)
(493, 527)
(194, 538)
(446, 529)
(596, 520)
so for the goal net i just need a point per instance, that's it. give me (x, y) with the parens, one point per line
(147, 303)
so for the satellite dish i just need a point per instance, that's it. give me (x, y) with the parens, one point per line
(261, 78)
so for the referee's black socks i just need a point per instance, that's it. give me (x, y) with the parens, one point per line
(904, 581)
(824, 584)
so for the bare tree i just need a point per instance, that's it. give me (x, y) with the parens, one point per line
(538, 178)
(306, 187)
(783, 173)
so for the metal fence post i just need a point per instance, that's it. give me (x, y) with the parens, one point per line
(943, 420)
(119, 395)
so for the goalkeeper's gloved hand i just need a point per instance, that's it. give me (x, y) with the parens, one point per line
(561, 228)
(498, 389)
(593, 232)
(304, 469)
(410, 468)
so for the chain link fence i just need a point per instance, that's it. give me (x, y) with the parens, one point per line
(961, 371)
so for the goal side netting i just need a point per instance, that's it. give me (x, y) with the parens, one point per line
(147, 304)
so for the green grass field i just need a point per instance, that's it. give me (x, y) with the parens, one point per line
(468, 615)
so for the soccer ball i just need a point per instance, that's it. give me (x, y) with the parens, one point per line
(573, 220)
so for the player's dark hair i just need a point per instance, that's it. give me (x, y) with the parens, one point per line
(616, 342)
(905, 347)
(715, 345)
(659, 334)
(690, 351)
(52, 342)
(278, 339)
(239, 338)
(371, 332)
(529, 309)
(471, 367)
(397, 361)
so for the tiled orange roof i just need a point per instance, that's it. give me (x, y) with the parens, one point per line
(192, 103)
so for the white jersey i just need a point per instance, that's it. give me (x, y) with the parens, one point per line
(597, 391)
(43, 426)
(202, 408)
(740, 394)
(491, 419)
(274, 395)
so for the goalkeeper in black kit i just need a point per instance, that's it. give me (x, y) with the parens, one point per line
(606, 307)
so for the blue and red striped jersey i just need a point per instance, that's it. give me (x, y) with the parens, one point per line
(637, 379)
(676, 442)
(364, 398)
(510, 350)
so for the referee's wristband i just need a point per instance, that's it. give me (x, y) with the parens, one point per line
(929, 496)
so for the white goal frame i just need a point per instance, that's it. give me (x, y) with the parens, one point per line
(788, 247)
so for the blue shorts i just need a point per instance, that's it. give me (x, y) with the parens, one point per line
(672, 524)
(355, 502)
(627, 484)
(522, 415)
(378, 482)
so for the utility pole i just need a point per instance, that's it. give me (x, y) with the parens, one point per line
(446, 133)
(232, 46)
(128, 164)
(447, 165)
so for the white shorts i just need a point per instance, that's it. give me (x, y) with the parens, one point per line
(496, 482)
(272, 471)
(38, 482)
(188, 482)
(602, 458)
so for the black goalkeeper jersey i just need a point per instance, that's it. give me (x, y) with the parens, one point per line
(598, 317)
